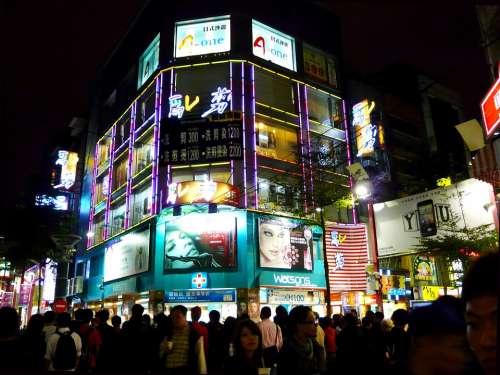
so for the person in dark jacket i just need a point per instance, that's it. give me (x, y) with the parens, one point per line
(33, 343)
(215, 352)
(281, 319)
(351, 346)
(301, 354)
(10, 344)
(110, 348)
(247, 357)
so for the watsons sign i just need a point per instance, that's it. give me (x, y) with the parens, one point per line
(203, 36)
(292, 280)
(271, 44)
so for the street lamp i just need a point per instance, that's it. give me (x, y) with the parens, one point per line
(363, 190)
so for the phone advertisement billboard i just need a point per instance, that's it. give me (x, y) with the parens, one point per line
(400, 223)
(285, 244)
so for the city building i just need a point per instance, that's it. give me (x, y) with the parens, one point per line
(214, 141)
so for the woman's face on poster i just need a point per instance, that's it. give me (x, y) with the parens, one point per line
(273, 240)
(179, 244)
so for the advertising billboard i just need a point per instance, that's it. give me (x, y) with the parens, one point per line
(319, 65)
(490, 108)
(285, 243)
(64, 173)
(190, 192)
(202, 36)
(365, 132)
(272, 45)
(149, 61)
(347, 256)
(400, 223)
(129, 255)
(199, 241)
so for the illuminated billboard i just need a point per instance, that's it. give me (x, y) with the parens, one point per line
(190, 192)
(58, 202)
(285, 243)
(149, 61)
(319, 65)
(65, 169)
(203, 36)
(199, 241)
(127, 256)
(365, 132)
(490, 108)
(272, 45)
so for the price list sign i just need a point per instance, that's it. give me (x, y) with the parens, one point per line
(200, 141)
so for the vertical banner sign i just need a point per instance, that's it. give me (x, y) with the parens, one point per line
(365, 132)
(490, 108)
(347, 256)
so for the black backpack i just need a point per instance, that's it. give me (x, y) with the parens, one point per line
(65, 355)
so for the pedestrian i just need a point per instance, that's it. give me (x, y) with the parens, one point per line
(301, 354)
(49, 324)
(330, 342)
(272, 339)
(480, 296)
(351, 346)
(33, 343)
(215, 352)
(91, 341)
(320, 334)
(10, 344)
(64, 347)
(183, 348)
(137, 342)
(399, 341)
(199, 327)
(116, 322)
(109, 350)
(337, 322)
(281, 319)
(247, 358)
(227, 333)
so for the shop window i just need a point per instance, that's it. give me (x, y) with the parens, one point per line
(122, 132)
(104, 152)
(102, 188)
(282, 196)
(329, 154)
(117, 222)
(120, 172)
(143, 153)
(324, 110)
(199, 82)
(96, 266)
(146, 107)
(141, 204)
(276, 141)
(98, 228)
(274, 91)
(216, 173)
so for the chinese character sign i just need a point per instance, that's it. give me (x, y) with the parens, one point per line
(220, 101)
(67, 161)
(365, 131)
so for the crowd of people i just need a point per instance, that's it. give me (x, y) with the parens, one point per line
(450, 336)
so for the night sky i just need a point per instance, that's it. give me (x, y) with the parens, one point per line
(52, 51)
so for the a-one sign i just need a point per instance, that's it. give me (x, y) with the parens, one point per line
(200, 141)
(202, 36)
(272, 45)
(400, 223)
(149, 61)
(127, 256)
(490, 108)
(207, 191)
(293, 297)
(196, 296)
(67, 161)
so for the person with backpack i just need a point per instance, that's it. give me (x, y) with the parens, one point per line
(272, 339)
(64, 347)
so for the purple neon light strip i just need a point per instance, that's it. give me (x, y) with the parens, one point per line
(254, 142)
(110, 183)
(90, 240)
(131, 154)
(349, 160)
(231, 163)
(309, 143)
(154, 187)
(245, 195)
(169, 168)
(302, 148)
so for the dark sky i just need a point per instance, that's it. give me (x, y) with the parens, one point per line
(52, 50)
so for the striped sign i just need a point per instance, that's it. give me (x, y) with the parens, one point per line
(347, 256)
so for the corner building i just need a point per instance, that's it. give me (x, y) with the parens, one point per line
(212, 156)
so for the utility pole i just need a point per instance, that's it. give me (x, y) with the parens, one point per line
(325, 263)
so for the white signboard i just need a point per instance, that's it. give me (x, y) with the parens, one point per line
(49, 280)
(270, 44)
(128, 256)
(294, 297)
(401, 222)
(203, 36)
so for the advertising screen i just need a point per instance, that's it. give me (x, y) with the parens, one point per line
(199, 241)
(284, 243)
(271, 44)
(128, 256)
(149, 61)
(203, 36)
(190, 192)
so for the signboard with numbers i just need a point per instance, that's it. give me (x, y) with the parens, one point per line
(200, 141)
(197, 296)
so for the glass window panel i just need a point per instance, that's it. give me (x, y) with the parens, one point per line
(324, 110)
(122, 132)
(276, 141)
(280, 193)
(118, 211)
(143, 153)
(330, 154)
(102, 188)
(146, 107)
(98, 228)
(274, 91)
(120, 172)
(214, 173)
(141, 204)
(104, 152)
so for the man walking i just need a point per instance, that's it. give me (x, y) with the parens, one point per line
(272, 339)
(64, 347)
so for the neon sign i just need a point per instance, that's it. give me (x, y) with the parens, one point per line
(58, 202)
(220, 101)
(68, 161)
(366, 132)
(206, 191)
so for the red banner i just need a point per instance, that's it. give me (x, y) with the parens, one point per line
(347, 256)
(490, 107)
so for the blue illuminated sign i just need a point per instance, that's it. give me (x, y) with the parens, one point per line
(207, 295)
(199, 280)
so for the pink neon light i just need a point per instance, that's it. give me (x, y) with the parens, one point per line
(245, 195)
(302, 148)
(154, 186)
(309, 144)
(231, 164)
(254, 142)
(90, 240)
(110, 183)
(349, 160)
(129, 164)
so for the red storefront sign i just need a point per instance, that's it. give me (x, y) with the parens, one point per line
(347, 256)
(490, 108)
(60, 306)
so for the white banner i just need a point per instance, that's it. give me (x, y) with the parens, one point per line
(400, 223)
(128, 256)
